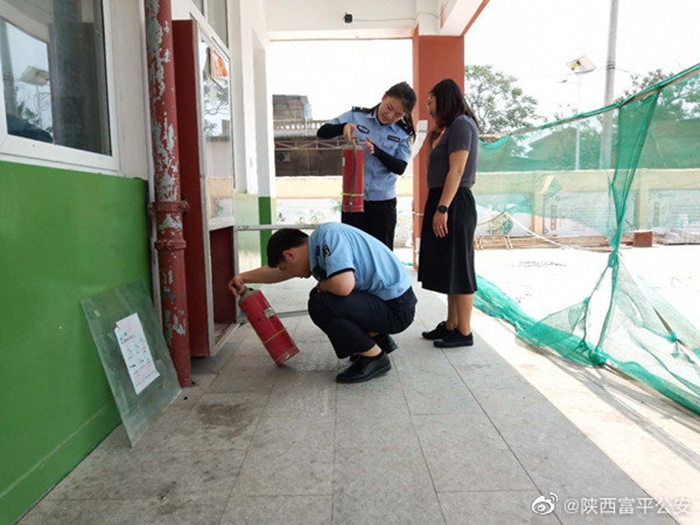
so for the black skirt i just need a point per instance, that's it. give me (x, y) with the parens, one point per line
(447, 265)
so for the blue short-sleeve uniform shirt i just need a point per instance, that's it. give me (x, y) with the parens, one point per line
(335, 248)
(380, 183)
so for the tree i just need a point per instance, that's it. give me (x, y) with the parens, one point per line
(215, 107)
(499, 104)
(641, 82)
(677, 101)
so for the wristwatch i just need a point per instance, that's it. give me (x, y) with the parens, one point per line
(442, 209)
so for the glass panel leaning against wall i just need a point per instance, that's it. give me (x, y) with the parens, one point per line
(54, 82)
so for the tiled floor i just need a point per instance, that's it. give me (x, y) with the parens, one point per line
(447, 436)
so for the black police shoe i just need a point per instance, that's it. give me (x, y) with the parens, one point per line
(384, 341)
(364, 369)
(439, 332)
(455, 339)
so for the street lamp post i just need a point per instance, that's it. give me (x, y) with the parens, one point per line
(606, 137)
(580, 66)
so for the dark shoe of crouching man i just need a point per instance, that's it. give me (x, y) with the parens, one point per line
(363, 293)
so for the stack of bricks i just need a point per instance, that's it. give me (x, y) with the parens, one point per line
(643, 239)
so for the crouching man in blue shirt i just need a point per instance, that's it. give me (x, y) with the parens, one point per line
(363, 293)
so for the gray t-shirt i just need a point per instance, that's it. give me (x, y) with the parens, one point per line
(461, 135)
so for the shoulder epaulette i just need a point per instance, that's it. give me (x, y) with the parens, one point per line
(405, 126)
(361, 110)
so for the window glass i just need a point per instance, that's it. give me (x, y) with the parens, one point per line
(53, 72)
(216, 129)
(199, 5)
(216, 14)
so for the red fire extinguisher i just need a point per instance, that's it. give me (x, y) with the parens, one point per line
(353, 179)
(268, 326)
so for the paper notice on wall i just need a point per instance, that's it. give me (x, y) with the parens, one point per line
(137, 355)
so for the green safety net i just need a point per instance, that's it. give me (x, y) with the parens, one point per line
(597, 189)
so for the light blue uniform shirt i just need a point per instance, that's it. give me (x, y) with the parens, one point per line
(336, 247)
(380, 183)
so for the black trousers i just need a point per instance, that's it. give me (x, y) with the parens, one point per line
(346, 320)
(378, 219)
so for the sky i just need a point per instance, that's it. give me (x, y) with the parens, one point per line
(531, 40)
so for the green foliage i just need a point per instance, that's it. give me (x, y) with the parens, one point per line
(215, 107)
(499, 104)
(641, 82)
(557, 151)
(678, 101)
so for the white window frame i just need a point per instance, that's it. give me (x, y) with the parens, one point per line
(28, 151)
(185, 11)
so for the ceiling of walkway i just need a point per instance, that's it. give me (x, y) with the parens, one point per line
(368, 19)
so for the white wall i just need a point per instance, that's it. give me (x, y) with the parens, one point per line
(321, 19)
(253, 146)
(247, 31)
(263, 116)
(131, 87)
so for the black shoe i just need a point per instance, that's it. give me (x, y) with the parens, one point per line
(384, 341)
(455, 339)
(440, 332)
(364, 369)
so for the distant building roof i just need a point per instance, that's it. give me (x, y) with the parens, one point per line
(291, 108)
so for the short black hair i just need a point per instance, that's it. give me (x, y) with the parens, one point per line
(282, 240)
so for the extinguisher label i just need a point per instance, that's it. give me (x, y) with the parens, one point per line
(269, 312)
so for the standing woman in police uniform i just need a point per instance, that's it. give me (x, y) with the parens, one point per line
(386, 131)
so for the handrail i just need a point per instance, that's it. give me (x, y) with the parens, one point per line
(269, 227)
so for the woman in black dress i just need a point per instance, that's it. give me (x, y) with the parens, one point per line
(446, 259)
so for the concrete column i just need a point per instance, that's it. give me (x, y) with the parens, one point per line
(434, 58)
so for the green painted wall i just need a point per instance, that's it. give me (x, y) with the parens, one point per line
(64, 236)
(268, 215)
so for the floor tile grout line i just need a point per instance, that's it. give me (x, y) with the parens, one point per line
(335, 453)
(555, 359)
(500, 435)
(493, 424)
(640, 420)
(642, 489)
(485, 413)
(250, 444)
(420, 444)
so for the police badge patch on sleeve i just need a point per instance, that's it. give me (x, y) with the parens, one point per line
(326, 252)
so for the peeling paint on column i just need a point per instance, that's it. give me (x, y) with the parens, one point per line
(168, 207)
(155, 53)
(178, 326)
(164, 143)
(171, 221)
(167, 295)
